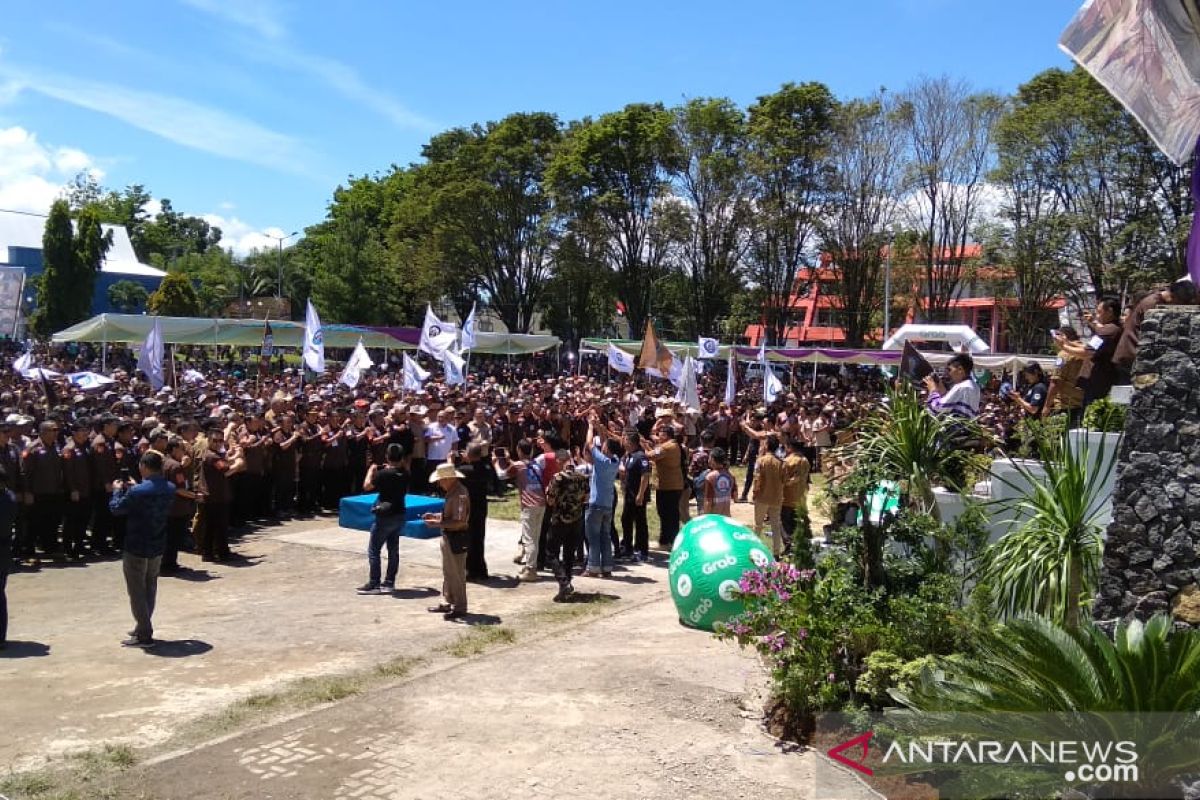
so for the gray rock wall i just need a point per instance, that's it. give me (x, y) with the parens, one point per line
(1152, 553)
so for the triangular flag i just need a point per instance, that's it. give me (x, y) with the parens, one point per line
(731, 380)
(414, 376)
(358, 363)
(454, 366)
(24, 362)
(314, 340)
(150, 357)
(468, 331)
(688, 393)
(654, 354)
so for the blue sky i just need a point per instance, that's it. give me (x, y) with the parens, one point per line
(252, 111)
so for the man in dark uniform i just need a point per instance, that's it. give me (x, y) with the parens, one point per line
(10, 461)
(77, 475)
(247, 485)
(335, 461)
(283, 463)
(356, 448)
(104, 472)
(183, 505)
(128, 458)
(41, 465)
(311, 447)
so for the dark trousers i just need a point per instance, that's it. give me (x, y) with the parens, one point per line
(239, 508)
(309, 498)
(420, 475)
(477, 528)
(667, 505)
(563, 541)
(45, 515)
(75, 524)
(102, 521)
(178, 529)
(336, 484)
(633, 518)
(285, 492)
(216, 530)
(542, 536)
(385, 532)
(787, 515)
(752, 455)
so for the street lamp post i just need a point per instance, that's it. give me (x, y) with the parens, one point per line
(279, 240)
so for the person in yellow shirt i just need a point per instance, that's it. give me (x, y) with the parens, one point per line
(768, 493)
(668, 469)
(796, 470)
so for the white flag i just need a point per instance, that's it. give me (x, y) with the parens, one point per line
(676, 374)
(150, 357)
(731, 380)
(436, 336)
(314, 340)
(414, 376)
(708, 347)
(89, 380)
(468, 330)
(688, 393)
(359, 361)
(24, 362)
(453, 364)
(772, 386)
(619, 360)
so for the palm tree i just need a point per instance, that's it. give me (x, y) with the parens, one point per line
(1051, 563)
(1033, 677)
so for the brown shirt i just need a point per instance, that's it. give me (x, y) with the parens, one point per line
(41, 467)
(795, 481)
(768, 480)
(668, 464)
(104, 462)
(77, 471)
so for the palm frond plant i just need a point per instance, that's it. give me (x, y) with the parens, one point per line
(1035, 676)
(1051, 563)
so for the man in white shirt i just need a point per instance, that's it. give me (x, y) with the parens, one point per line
(440, 437)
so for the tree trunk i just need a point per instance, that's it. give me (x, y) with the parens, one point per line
(1074, 590)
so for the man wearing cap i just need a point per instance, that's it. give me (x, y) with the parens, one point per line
(284, 452)
(183, 505)
(41, 466)
(77, 475)
(312, 446)
(454, 520)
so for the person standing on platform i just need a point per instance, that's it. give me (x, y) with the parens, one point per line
(454, 519)
(392, 485)
(144, 506)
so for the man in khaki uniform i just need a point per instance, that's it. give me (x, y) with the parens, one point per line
(455, 521)
(768, 493)
(795, 489)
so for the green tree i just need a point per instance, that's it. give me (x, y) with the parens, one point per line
(489, 213)
(174, 297)
(578, 300)
(867, 160)
(715, 188)
(127, 296)
(612, 174)
(790, 135)
(72, 257)
(949, 131)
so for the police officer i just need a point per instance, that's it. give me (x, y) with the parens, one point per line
(77, 477)
(104, 472)
(41, 465)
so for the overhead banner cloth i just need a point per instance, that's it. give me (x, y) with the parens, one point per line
(1146, 54)
(132, 328)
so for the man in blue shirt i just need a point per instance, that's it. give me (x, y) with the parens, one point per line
(145, 506)
(598, 518)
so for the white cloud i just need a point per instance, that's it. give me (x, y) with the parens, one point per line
(32, 174)
(193, 125)
(242, 237)
(264, 19)
(261, 16)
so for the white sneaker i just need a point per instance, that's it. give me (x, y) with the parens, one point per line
(527, 575)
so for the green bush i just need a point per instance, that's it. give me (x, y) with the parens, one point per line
(1106, 416)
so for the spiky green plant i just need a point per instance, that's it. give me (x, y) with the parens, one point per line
(1051, 563)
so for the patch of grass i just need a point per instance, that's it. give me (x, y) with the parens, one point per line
(580, 605)
(27, 785)
(397, 667)
(480, 638)
(308, 692)
(120, 756)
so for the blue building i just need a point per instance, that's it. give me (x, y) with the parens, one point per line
(21, 261)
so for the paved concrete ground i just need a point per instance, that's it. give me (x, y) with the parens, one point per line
(621, 703)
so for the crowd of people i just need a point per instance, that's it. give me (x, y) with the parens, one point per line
(585, 451)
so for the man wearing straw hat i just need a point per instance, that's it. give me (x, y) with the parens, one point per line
(454, 521)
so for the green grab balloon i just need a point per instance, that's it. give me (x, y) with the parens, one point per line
(709, 557)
